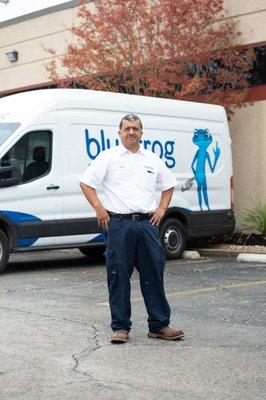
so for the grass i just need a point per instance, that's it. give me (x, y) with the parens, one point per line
(255, 219)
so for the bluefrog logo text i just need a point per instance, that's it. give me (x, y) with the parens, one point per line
(164, 150)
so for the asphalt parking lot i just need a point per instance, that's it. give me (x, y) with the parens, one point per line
(55, 336)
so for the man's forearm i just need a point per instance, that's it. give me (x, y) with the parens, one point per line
(166, 198)
(91, 196)
(93, 199)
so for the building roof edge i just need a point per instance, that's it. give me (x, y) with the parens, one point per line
(39, 13)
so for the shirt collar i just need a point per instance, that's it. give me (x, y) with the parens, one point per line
(122, 150)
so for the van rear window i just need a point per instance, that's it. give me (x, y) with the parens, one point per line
(6, 129)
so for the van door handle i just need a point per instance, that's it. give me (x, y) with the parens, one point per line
(52, 187)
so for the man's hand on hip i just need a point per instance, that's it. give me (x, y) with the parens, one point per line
(157, 216)
(164, 203)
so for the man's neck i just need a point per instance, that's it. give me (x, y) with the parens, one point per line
(133, 149)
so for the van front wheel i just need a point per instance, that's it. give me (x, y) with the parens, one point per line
(4, 251)
(173, 238)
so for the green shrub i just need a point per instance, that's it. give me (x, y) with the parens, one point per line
(255, 219)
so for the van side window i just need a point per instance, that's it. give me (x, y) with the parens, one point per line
(33, 153)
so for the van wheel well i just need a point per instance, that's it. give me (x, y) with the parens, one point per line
(173, 234)
(176, 215)
(8, 232)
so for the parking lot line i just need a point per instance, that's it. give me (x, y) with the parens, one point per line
(202, 290)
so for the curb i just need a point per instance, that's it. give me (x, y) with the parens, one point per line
(252, 252)
(191, 255)
(260, 258)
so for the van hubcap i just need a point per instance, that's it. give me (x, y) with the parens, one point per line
(1, 251)
(172, 239)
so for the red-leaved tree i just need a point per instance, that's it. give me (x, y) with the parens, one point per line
(166, 48)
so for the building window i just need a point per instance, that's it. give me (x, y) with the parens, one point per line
(257, 75)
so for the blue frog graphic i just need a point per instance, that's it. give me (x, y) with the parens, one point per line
(202, 138)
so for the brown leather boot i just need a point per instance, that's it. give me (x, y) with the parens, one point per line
(167, 333)
(119, 336)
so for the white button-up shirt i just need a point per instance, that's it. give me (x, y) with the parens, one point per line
(128, 181)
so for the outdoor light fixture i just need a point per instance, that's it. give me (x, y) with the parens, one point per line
(12, 56)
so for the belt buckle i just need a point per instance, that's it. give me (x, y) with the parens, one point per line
(135, 217)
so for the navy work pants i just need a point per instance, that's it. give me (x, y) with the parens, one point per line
(135, 244)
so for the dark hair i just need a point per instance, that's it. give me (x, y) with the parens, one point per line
(130, 117)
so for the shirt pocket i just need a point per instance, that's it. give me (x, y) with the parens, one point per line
(149, 181)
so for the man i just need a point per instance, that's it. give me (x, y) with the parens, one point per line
(128, 176)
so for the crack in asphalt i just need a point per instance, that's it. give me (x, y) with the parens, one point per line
(78, 357)
(100, 383)
(114, 385)
(83, 323)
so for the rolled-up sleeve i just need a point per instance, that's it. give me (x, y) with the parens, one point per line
(96, 171)
(165, 178)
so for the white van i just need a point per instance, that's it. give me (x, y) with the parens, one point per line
(48, 138)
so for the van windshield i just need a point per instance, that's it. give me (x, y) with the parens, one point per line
(6, 129)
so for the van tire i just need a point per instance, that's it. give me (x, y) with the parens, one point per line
(4, 251)
(173, 237)
(92, 251)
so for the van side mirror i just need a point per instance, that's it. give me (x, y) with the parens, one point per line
(10, 175)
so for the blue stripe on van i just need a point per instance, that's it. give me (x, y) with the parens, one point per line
(26, 242)
(98, 239)
(17, 217)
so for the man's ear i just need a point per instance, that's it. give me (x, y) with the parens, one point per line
(119, 132)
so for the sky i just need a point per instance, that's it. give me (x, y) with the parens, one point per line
(16, 8)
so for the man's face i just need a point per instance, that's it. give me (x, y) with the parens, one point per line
(130, 134)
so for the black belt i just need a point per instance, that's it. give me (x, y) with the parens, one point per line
(132, 216)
